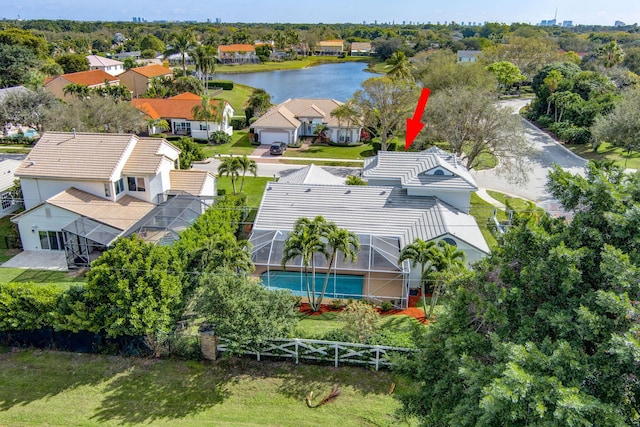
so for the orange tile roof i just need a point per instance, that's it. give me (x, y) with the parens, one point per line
(152, 70)
(186, 95)
(174, 108)
(88, 78)
(237, 48)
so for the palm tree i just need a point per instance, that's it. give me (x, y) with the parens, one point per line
(259, 101)
(205, 58)
(449, 259)
(247, 165)
(158, 124)
(342, 240)
(610, 54)
(305, 241)
(230, 166)
(204, 112)
(344, 112)
(225, 251)
(398, 66)
(76, 89)
(181, 43)
(422, 253)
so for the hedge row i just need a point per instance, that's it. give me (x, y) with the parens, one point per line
(224, 84)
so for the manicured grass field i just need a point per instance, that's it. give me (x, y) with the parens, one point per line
(6, 227)
(238, 146)
(317, 325)
(483, 213)
(253, 187)
(358, 152)
(71, 389)
(289, 65)
(57, 278)
(607, 152)
(236, 97)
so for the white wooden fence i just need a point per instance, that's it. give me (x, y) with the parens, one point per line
(338, 352)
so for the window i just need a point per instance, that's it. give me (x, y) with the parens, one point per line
(120, 186)
(107, 190)
(203, 127)
(51, 240)
(450, 241)
(344, 135)
(6, 200)
(135, 184)
(439, 172)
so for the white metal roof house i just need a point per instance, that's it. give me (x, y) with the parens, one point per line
(386, 217)
(84, 190)
(298, 117)
(8, 203)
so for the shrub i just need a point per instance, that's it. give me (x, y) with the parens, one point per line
(219, 137)
(26, 306)
(544, 121)
(337, 304)
(238, 122)
(570, 133)
(222, 191)
(361, 321)
(386, 306)
(224, 84)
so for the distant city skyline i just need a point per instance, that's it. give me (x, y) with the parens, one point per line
(586, 12)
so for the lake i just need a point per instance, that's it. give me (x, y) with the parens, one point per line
(336, 81)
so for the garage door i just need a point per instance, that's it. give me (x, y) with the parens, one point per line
(268, 137)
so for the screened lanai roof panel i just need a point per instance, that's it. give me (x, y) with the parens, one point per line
(93, 230)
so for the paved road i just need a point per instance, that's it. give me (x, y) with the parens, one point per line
(548, 152)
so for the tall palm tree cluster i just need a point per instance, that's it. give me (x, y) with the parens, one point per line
(434, 259)
(318, 236)
(207, 112)
(237, 167)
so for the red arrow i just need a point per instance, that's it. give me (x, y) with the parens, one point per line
(415, 125)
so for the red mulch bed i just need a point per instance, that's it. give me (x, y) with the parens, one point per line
(325, 308)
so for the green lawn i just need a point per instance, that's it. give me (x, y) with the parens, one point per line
(15, 148)
(515, 203)
(238, 146)
(58, 278)
(483, 213)
(607, 152)
(289, 65)
(358, 152)
(236, 97)
(253, 188)
(6, 227)
(62, 389)
(317, 325)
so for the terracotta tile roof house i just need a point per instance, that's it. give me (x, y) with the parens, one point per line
(137, 79)
(329, 47)
(386, 218)
(237, 54)
(107, 65)
(178, 111)
(84, 190)
(299, 117)
(91, 78)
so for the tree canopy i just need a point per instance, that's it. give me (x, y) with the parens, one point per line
(546, 330)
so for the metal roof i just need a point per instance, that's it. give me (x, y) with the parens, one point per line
(366, 210)
(411, 169)
(312, 174)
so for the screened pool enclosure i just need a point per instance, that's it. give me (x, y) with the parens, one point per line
(374, 276)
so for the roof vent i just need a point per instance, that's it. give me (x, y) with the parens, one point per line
(32, 163)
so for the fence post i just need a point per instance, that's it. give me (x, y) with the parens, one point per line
(296, 351)
(377, 356)
(258, 355)
(335, 346)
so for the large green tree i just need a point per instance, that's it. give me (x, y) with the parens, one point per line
(134, 289)
(181, 43)
(382, 107)
(473, 126)
(73, 62)
(621, 127)
(243, 311)
(17, 63)
(190, 151)
(546, 330)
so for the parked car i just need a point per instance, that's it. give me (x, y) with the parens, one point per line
(278, 148)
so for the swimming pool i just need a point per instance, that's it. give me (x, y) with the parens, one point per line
(343, 286)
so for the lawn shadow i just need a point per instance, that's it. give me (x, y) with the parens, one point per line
(149, 392)
(31, 375)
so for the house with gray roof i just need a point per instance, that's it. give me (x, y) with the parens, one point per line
(312, 174)
(84, 190)
(300, 117)
(405, 200)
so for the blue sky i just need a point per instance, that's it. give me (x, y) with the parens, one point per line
(331, 11)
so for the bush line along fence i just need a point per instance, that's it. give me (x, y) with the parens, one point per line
(297, 349)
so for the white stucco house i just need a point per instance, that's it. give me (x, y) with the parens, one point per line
(178, 112)
(84, 190)
(422, 195)
(8, 202)
(108, 65)
(300, 117)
